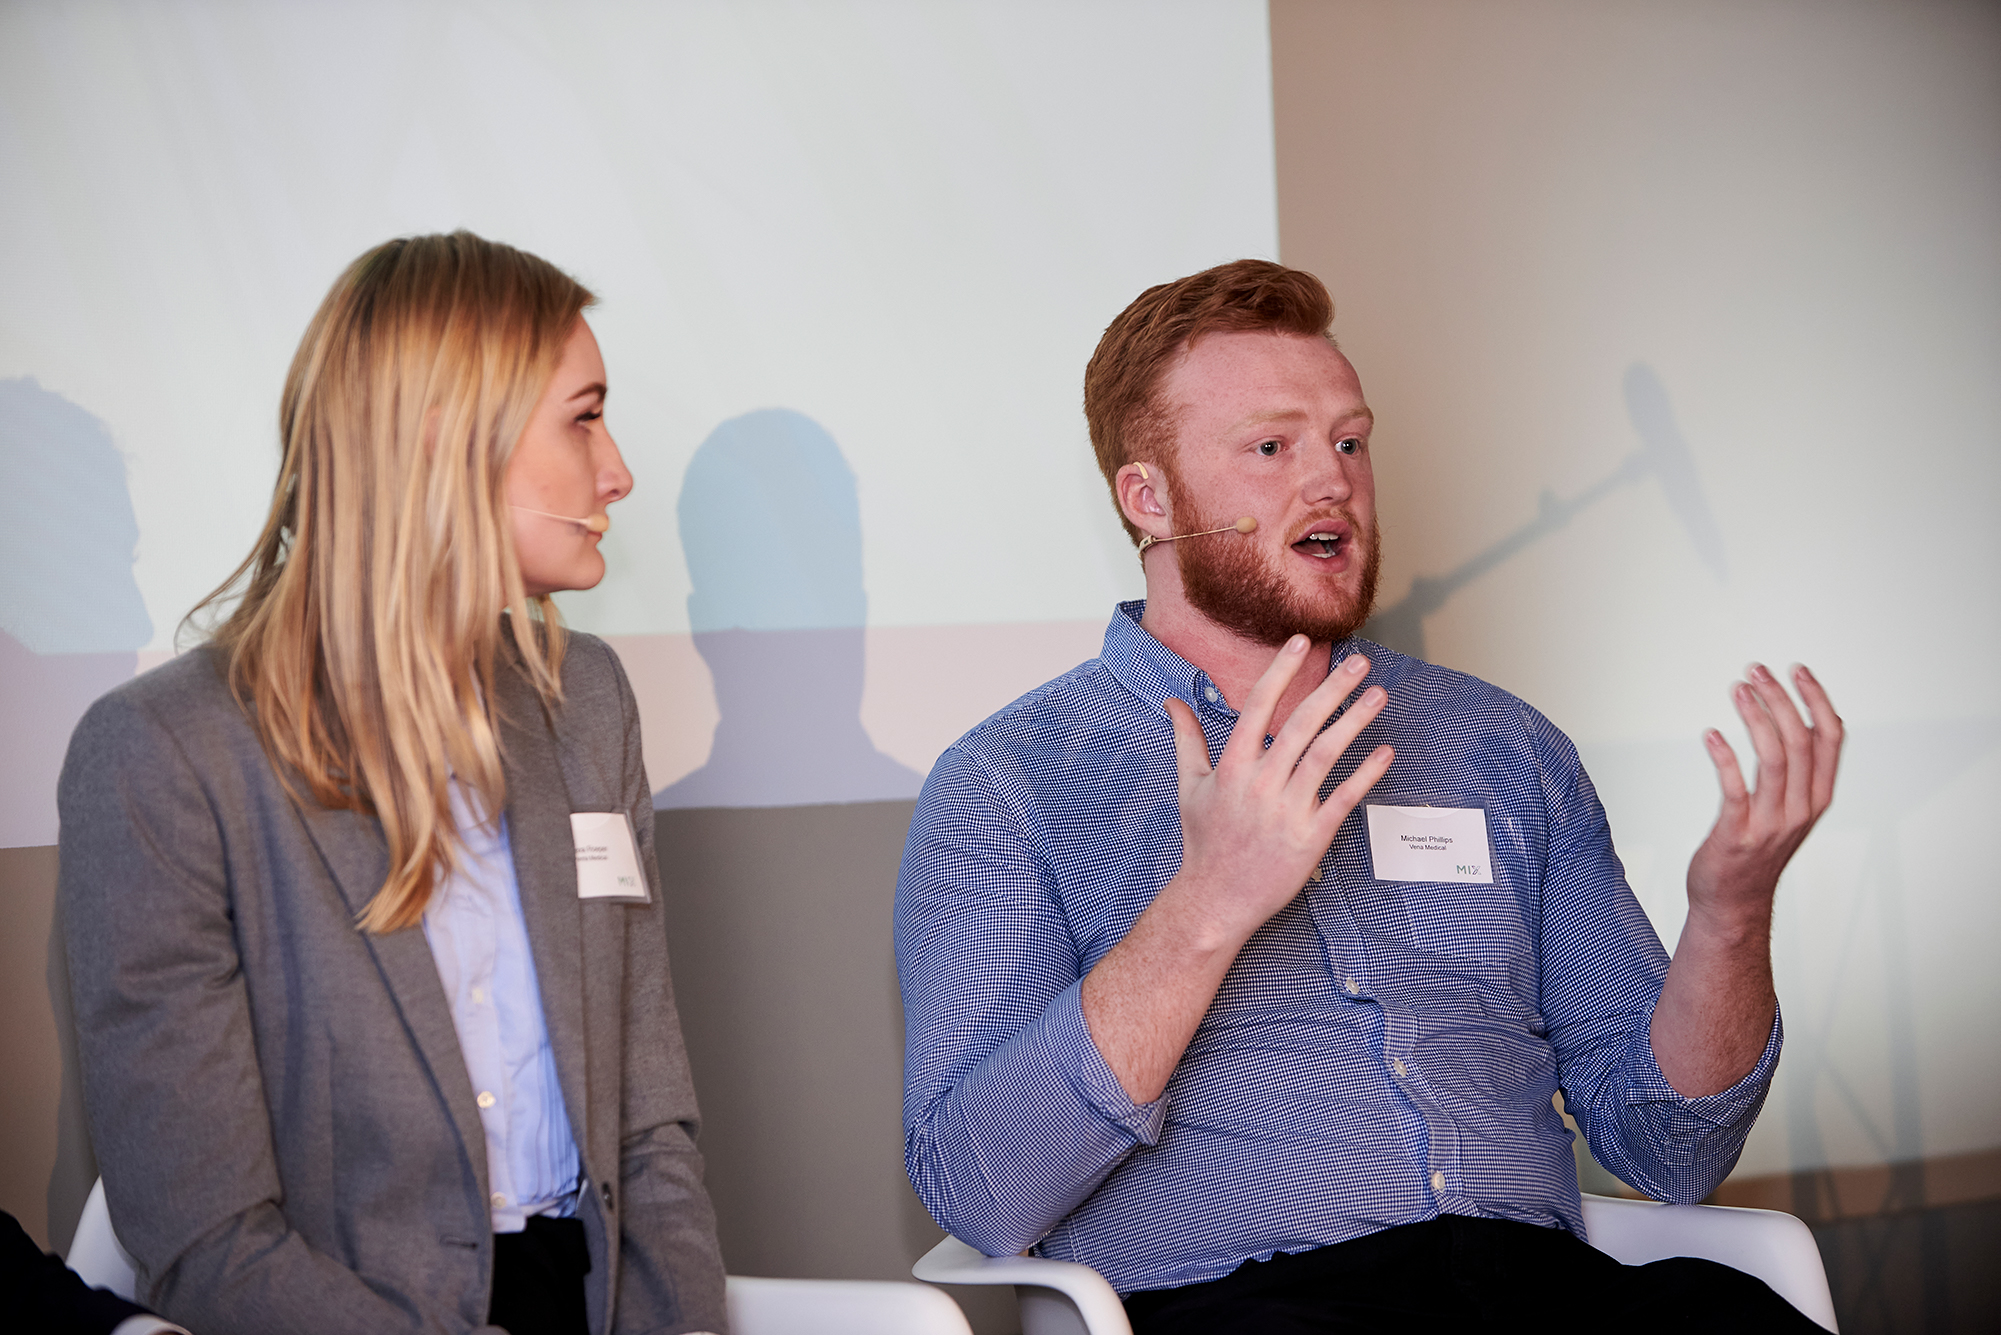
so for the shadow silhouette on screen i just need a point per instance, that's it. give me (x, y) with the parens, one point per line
(71, 618)
(771, 526)
(1663, 455)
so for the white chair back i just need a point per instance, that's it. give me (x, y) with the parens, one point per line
(1775, 1247)
(840, 1307)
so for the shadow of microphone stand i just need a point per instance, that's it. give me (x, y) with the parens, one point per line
(1663, 455)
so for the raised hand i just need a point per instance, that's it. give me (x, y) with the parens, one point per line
(1736, 870)
(1715, 1011)
(1253, 827)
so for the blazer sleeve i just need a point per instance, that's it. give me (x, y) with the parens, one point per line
(172, 1086)
(670, 1269)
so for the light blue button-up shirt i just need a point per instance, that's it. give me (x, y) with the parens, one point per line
(480, 942)
(1381, 1052)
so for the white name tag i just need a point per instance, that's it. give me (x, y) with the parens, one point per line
(1430, 844)
(607, 859)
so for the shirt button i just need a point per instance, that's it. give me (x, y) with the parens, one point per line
(499, 1201)
(1396, 1064)
(1438, 1183)
(1209, 694)
(604, 1189)
(1354, 989)
(479, 994)
(485, 1100)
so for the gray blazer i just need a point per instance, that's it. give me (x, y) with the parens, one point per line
(278, 1102)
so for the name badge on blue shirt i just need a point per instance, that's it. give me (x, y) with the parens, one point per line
(607, 859)
(1430, 844)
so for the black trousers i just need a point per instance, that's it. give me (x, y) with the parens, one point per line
(538, 1278)
(1463, 1273)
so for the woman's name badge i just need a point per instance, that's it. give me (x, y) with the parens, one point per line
(607, 859)
(1430, 844)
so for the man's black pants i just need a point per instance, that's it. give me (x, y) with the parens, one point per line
(1457, 1272)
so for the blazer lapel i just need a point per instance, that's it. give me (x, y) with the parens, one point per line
(545, 867)
(352, 846)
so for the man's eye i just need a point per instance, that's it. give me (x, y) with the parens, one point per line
(1267, 448)
(1349, 445)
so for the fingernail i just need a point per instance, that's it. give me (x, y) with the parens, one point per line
(1742, 693)
(1373, 694)
(1356, 665)
(1759, 672)
(1296, 645)
(1799, 670)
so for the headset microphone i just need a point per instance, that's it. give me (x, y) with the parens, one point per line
(1248, 524)
(593, 523)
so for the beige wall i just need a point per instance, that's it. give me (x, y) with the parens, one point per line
(46, 1168)
(1785, 214)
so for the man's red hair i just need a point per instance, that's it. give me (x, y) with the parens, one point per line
(1122, 383)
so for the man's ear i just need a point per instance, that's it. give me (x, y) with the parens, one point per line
(1143, 499)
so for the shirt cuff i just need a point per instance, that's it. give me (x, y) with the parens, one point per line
(1069, 1040)
(1722, 1108)
(147, 1324)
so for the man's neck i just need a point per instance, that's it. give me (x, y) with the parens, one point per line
(1232, 661)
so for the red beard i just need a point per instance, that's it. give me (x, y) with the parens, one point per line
(1231, 581)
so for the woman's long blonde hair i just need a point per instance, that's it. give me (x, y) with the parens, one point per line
(368, 631)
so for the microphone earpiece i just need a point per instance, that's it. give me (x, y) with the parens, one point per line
(1248, 524)
(592, 523)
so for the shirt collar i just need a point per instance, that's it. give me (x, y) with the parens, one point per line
(1154, 672)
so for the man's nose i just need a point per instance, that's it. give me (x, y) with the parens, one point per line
(1327, 480)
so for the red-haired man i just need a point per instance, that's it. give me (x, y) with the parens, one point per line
(1242, 962)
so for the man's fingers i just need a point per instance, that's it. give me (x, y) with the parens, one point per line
(1302, 729)
(1828, 735)
(1191, 748)
(1328, 746)
(1254, 720)
(1768, 799)
(1798, 742)
(1728, 775)
(1349, 793)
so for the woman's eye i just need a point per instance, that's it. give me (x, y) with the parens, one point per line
(591, 417)
(1267, 448)
(1349, 445)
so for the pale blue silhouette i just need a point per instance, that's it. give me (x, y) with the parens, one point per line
(771, 525)
(71, 618)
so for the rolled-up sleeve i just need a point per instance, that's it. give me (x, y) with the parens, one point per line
(1672, 1147)
(1011, 1116)
(1603, 967)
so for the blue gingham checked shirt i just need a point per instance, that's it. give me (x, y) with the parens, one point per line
(1380, 1053)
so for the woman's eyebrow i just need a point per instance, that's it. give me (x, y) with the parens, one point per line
(595, 387)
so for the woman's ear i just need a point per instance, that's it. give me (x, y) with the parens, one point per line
(1143, 499)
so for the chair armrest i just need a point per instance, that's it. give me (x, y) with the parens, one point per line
(1775, 1247)
(1087, 1305)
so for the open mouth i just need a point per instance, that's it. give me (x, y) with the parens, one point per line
(1322, 544)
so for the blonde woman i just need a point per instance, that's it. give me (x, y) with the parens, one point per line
(360, 899)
